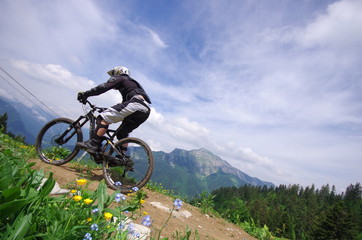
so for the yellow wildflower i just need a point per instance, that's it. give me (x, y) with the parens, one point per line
(81, 182)
(107, 215)
(77, 198)
(145, 213)
(142, 201)
(89, 219)
(73, 191)
(88, 201)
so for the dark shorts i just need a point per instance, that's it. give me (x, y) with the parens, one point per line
(132, 113)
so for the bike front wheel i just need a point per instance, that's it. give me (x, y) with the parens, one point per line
(56, 141)
(134, 169)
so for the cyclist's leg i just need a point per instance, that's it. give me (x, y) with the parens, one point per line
(131, 122)
(132, 113)
(101, 128)
(93, 145)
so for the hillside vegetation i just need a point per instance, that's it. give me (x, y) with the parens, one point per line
(292, 211)
(90, 210)
(188, 173)
(266, 212)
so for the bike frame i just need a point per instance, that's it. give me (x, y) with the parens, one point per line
(82, 120)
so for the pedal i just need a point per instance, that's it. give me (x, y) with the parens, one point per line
(115, 161)
(97, 158)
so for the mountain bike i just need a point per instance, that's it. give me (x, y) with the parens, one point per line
(126, 163)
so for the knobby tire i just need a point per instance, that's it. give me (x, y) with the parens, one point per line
(118, 177)
(52, 152)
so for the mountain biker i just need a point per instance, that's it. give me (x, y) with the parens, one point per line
(132, 111)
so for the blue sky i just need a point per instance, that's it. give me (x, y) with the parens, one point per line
(273, 87)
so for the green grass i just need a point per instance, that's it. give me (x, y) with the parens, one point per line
(158, 187)
(27, 211)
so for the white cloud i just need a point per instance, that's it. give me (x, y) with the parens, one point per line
(52, 31)
(5, 92)
(339, 27)
(54, 75)
(172, 132)
(156, 38)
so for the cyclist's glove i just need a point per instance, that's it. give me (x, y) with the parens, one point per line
(82, 97)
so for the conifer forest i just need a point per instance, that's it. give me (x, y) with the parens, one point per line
(295, 212)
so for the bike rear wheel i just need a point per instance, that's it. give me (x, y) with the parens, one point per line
(56, 141)
(136, 168)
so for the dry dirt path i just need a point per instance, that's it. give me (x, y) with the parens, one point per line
(206, 226)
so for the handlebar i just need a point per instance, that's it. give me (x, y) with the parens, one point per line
(94, 107)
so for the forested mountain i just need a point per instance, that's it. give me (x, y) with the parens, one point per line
(294, 212)
(14, 122)
(21, 120)
(190, 172)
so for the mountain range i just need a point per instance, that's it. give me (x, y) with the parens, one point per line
(192, 172)
(187, 173)
(21, 119)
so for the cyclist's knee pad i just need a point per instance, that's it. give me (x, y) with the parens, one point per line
(99, 123)
(99, 119)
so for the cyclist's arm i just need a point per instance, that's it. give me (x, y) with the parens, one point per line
(102, 88)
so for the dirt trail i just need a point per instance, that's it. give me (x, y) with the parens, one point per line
(206, 226)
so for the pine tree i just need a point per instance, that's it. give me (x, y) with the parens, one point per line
(337, 224)
(3, 128)
(3, 120)
(353, 200)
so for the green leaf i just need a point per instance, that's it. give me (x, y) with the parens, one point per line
(101, 195)
(10, 194)
(23, 179)
(22, 227)
(47, 187)
(129, 208)
(12, 207)
(29, 165)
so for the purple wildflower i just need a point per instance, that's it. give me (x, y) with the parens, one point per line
(94, 227)
(146, 221)
(87, 236)
(177, 203)
(119, 197)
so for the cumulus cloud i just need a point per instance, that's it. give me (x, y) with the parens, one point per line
(175, 132)
(52, 32)
(273, 77)
(54, 75)
(338, 28)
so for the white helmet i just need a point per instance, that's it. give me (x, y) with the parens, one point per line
(119, 70)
